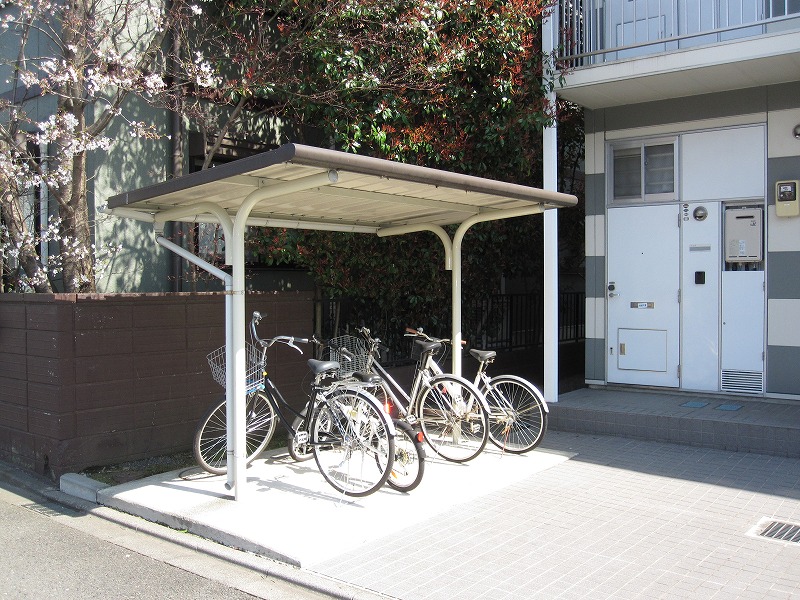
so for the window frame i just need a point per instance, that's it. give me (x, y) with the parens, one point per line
(641, 144)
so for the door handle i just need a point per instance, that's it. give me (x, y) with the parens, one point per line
(612, 294)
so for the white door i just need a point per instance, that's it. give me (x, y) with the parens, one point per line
(643, 284)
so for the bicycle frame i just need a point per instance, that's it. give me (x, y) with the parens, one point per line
(429, 370)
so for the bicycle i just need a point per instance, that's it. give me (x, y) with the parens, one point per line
(449, 410)
(408, 467)
(518, 413)
(351, 438)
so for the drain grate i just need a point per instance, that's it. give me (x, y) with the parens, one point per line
(786, 532)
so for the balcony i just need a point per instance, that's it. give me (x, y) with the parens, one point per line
(618, 52)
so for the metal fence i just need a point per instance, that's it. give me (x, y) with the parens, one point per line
(496, 322)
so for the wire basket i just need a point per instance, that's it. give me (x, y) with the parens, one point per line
(254, 366)
(348, 364)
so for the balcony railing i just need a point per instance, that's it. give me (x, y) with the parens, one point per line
(599, 31)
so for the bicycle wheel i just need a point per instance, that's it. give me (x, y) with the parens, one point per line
(409, 458)
(299, 452)
(210, 445)
(517, 414)
(453, 418)
(352, 444)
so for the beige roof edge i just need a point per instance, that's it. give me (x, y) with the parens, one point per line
(335, 159)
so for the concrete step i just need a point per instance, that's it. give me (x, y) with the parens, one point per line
(735, 423)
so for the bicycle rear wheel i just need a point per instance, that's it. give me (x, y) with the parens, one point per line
(518, 414)
(409, 458)
(453, 418)
(210, 446)
(352, 444)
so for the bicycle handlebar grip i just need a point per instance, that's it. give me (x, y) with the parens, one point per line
(302, 340)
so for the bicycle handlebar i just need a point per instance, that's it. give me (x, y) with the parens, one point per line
(283, 339)
(410, 331)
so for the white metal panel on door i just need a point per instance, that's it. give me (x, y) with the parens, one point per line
(723, 164)
(700, 289)
(643, 257)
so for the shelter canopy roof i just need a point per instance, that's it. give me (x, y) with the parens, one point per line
(364, 192)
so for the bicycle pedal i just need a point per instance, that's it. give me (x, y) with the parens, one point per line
(301, 437)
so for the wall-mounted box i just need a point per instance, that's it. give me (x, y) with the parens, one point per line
(743, 234)
(787, 203)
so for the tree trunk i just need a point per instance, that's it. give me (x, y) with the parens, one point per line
(14, 220)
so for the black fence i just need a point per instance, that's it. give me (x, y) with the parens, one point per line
(498, 322)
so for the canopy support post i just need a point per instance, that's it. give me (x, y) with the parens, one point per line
(452, 250)
(550, 180)
(237, 425)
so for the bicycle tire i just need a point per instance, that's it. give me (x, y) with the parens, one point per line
(409, 458)
(353, 446)
(453, 418)
(517, 414)
(210, 445)
(299, 452)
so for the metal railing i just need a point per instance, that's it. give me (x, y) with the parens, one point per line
(598, 31)
(496, 322)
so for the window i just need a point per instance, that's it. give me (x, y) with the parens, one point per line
(642, 172)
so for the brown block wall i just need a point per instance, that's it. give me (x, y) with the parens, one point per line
(89, 380)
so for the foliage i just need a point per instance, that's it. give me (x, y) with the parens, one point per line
(480, 111)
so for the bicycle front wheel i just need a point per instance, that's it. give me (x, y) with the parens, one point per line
(517, 414)
(353, 447)
(210, 445)
(453, 418)
(409, 458)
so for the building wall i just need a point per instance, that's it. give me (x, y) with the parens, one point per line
(776, 106)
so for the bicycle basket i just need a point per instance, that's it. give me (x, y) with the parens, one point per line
(348, 364)
(254, 367)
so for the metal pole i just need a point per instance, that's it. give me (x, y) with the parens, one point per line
(550, 166)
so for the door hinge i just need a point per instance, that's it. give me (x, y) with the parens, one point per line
(679, 371)
(679, 295)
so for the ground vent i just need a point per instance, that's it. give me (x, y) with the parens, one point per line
(778, 530)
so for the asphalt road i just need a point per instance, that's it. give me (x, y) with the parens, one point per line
(50, 550)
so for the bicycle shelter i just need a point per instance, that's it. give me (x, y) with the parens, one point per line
(303, 187)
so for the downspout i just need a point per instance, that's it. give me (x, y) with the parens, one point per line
(175, 230)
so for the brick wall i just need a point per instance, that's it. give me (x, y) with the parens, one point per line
(89, 380)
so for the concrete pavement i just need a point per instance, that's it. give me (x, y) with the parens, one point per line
(584, 516)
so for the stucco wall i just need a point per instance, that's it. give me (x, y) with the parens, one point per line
(777, 107)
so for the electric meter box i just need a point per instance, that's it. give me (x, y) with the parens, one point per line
(743, 235)
(787, 198)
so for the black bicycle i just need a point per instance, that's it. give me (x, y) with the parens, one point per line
(409, 453)
(350, 436)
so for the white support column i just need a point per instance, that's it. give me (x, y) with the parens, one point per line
(550, 166)
(237, 424)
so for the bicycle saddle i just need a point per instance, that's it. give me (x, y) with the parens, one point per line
(426, 347)
(483, 355)
(371, 378)
(322, 366)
